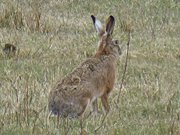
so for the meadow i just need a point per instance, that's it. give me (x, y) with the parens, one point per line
(55, 36)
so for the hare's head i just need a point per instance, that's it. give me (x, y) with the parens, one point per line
(107, 45)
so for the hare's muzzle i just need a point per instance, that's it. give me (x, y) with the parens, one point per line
(53, 108)
(116, 43)
(119, 50)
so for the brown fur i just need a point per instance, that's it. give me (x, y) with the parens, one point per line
(94, 78)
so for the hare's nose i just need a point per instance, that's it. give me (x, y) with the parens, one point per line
(53, 108)
(55, 111)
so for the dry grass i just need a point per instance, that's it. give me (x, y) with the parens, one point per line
(53, 37)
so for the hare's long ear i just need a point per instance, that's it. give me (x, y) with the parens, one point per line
(97, 25)
(110, 25)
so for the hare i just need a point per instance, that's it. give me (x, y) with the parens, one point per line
(93, 79)
(9, 48)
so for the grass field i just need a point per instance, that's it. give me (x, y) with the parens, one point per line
(53, 37)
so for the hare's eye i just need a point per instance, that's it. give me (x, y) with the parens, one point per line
(116, 42)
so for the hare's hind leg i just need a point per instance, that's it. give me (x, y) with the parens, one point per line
(104, 100)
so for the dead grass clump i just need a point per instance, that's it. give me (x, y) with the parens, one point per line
(11, 17)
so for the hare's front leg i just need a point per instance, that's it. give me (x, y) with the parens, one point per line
(95, 106)
(104, 100)
(84, 102)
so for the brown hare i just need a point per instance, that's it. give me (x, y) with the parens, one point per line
(94, 78)
(9, 49)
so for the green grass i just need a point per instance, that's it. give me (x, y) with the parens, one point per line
(150, 98)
